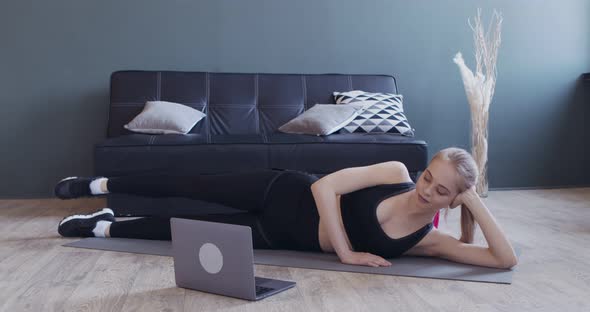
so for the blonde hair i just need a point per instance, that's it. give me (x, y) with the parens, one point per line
(467, 171)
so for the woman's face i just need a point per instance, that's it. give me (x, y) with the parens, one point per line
(437, 185)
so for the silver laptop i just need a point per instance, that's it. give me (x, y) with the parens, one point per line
(218, 258)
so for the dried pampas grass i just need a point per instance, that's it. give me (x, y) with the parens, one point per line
(479, 89)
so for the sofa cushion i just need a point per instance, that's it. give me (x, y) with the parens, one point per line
(197, 154)
(235, 103)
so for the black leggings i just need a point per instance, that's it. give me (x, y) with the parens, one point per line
(278, 205)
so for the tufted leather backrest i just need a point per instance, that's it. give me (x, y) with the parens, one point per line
(235, 103)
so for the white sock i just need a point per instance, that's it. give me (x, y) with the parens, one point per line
(96, 186)
(100, 227)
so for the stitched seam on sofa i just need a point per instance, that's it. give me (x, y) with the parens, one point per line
(110, 107)
(241, 106)
(208, 118)
(133, 104)
(221, 143)
(304, 81)
(257, 108)
(279, 105)
(159, 85)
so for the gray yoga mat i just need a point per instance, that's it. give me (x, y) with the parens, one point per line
(414, 266)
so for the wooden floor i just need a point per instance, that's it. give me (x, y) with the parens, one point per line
(552, 226)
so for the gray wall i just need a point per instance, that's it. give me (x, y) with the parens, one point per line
(56, 57)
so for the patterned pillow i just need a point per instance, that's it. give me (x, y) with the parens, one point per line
(384, 113)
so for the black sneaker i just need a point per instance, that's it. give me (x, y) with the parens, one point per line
(82, 225)
(74, 187)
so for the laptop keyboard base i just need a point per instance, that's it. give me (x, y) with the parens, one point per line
(262, 290)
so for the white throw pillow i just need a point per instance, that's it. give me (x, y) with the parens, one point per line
(322, 119)
(161, 117)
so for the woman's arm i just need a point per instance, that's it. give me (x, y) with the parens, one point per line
(497, 241)
(326, 201)
(498, 253)
(326, 190)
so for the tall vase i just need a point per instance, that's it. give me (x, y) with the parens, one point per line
(479, 149)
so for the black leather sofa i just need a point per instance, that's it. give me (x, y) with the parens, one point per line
(239, 132)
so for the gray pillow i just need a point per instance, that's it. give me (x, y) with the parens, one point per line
(322, 119)
(161, 117)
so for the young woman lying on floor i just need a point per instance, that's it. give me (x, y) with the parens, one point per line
(363, 214)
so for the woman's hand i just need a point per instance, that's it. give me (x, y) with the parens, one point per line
(364, 258)
(463, 197)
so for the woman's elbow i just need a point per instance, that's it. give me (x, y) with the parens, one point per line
(509, 264)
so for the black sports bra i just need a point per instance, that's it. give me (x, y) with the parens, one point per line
(359, 216)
